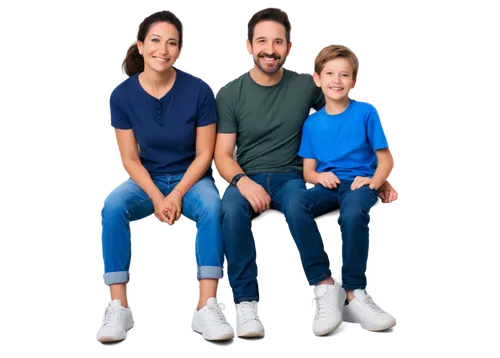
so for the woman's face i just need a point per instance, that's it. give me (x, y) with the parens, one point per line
(160, 48)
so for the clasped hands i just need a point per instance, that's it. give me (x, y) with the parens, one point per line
(168, 209)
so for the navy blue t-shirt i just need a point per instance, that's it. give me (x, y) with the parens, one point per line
(165, 128)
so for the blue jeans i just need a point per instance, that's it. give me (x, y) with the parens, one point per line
(129, 202)
(287, 195)
(354, 217)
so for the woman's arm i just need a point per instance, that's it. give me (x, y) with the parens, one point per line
(205, 144)
(128, 156)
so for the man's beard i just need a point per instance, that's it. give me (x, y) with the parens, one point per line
(270, 71)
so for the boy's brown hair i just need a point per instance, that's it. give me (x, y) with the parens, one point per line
(333, 51)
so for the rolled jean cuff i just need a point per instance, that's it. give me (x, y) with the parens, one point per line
(246, 299)
(323, 277)
(352, 288)
(110, 278)
(209, 272)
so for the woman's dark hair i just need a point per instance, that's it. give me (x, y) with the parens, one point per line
(134, 62)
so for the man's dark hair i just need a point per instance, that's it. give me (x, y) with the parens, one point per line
(271, 14)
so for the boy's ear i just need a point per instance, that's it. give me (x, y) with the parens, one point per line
(355, 83)
(316, 79)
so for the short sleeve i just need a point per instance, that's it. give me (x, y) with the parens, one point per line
(306, 147)
(119, 119)
(375, 132)
(226, 117)
(207, 112)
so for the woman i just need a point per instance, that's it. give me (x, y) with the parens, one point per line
(170, 115)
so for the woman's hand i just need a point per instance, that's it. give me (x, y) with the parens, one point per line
(172, 206)
(158, 206)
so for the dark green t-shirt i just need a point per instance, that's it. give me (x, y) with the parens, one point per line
(267, 120)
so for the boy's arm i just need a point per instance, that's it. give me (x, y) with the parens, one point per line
(384, 168)
(378, 138)
(306, 151)
(310, 174)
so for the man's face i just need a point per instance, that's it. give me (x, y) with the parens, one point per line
(269, 47)
(336, 79)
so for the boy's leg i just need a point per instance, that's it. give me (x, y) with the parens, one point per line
(292, 198)
(354, 222)
(354, 217)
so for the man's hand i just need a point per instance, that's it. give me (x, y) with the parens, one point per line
(255, 194)
(328, 180)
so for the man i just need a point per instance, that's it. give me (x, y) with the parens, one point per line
(262, 112)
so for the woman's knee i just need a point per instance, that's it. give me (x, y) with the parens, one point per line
(114, 205)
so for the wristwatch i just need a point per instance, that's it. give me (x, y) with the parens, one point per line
(236, 178)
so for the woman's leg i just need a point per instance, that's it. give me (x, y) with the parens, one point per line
(128, 202)
(202, 205)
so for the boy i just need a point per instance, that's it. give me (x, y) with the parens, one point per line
(346, 152)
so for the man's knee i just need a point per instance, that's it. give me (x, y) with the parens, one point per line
(234, 205)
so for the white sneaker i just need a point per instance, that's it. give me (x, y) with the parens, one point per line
(211, 323)
(117, 320)
(329, 302)
(363, 310)
(248, 323)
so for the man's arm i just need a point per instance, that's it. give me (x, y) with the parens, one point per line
(227, 127)
(223, 156)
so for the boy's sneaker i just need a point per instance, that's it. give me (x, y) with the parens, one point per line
(116, 322)
(329, 302)
(364, 311)
(248, 323)
(211, 323)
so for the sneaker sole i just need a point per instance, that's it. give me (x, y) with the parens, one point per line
(225, 337)
(109, 339)
(251, 339)
(372, 328)
(336, 331)
(224, 342)
(251, 335)
(387, 330)
(327, 331)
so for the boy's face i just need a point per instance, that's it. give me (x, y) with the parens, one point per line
(335, 79)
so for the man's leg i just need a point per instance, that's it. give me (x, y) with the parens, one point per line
(239, 247)
(354, 217)
(294, 202)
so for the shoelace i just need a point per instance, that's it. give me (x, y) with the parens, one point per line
(111, 316)
(215, 313)
(249, 312)
(323, 304)
(368, 301)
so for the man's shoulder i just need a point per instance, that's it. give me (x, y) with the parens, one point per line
(232, 89)
(299, 77)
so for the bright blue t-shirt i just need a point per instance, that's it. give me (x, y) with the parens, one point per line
(344, 143)
(165, 128)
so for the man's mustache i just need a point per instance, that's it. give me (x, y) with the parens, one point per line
(273, 55)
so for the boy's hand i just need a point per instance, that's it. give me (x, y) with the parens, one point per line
(328, 180)
(361, 181)
(387, 193)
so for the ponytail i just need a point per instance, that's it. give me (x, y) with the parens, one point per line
(134, 62)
